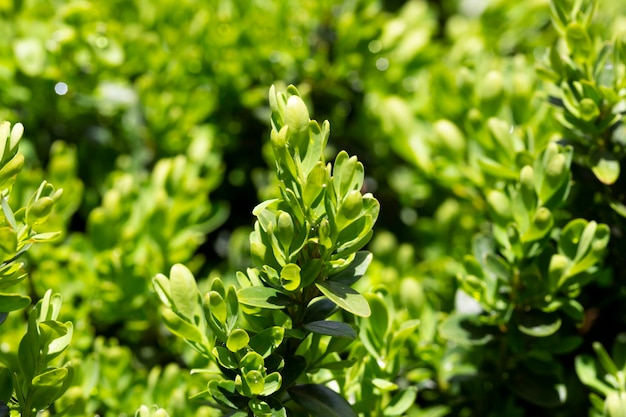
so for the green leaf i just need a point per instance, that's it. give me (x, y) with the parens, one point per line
(464, 330)
(493, 168)
(45, 237)
(181, 327)
(378, 322)
(498, 267)
(331, 328)
(263, 297)
(259, 408)
(254, 382)
(570, 237)
(12, 302)
(615, 404)
(294, 368)
(605, 360)
(290, 277)
(272, 384)
(401, 402)
(49, 378)
(223, 392)
(355, 270)
(267, 340)
(64, 332)
(542, 390)
(6, 385)
(321, 401)
(232, 308)
(8, 243)
(345, 297)
(336, 365)
(587, 373)
(184, 292)
(319, 309)
(225, 357)
(46, 386)
(539, 324)
(237, 340)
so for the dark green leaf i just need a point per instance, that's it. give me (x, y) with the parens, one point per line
(331, 328)
(321, 401)
(319, 309)
(6, 385)
(544, 391)
(293, 369)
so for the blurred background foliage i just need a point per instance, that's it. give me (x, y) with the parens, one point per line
(153, 117)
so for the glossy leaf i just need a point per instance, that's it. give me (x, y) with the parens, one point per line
(237, 340)
(345, 297)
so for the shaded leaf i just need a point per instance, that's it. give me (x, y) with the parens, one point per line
(6, 385)
(355, 270)
(464, 330)
(539, 324)
(331, 328)
(267, 340)
(319, 309)
(321, 401)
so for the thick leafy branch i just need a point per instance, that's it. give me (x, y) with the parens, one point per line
(272, 335)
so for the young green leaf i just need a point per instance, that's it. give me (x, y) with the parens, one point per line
(401, 402)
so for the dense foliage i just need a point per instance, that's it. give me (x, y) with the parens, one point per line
(174, 243)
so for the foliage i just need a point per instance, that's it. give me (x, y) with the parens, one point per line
(493, 140)
(270, 337)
